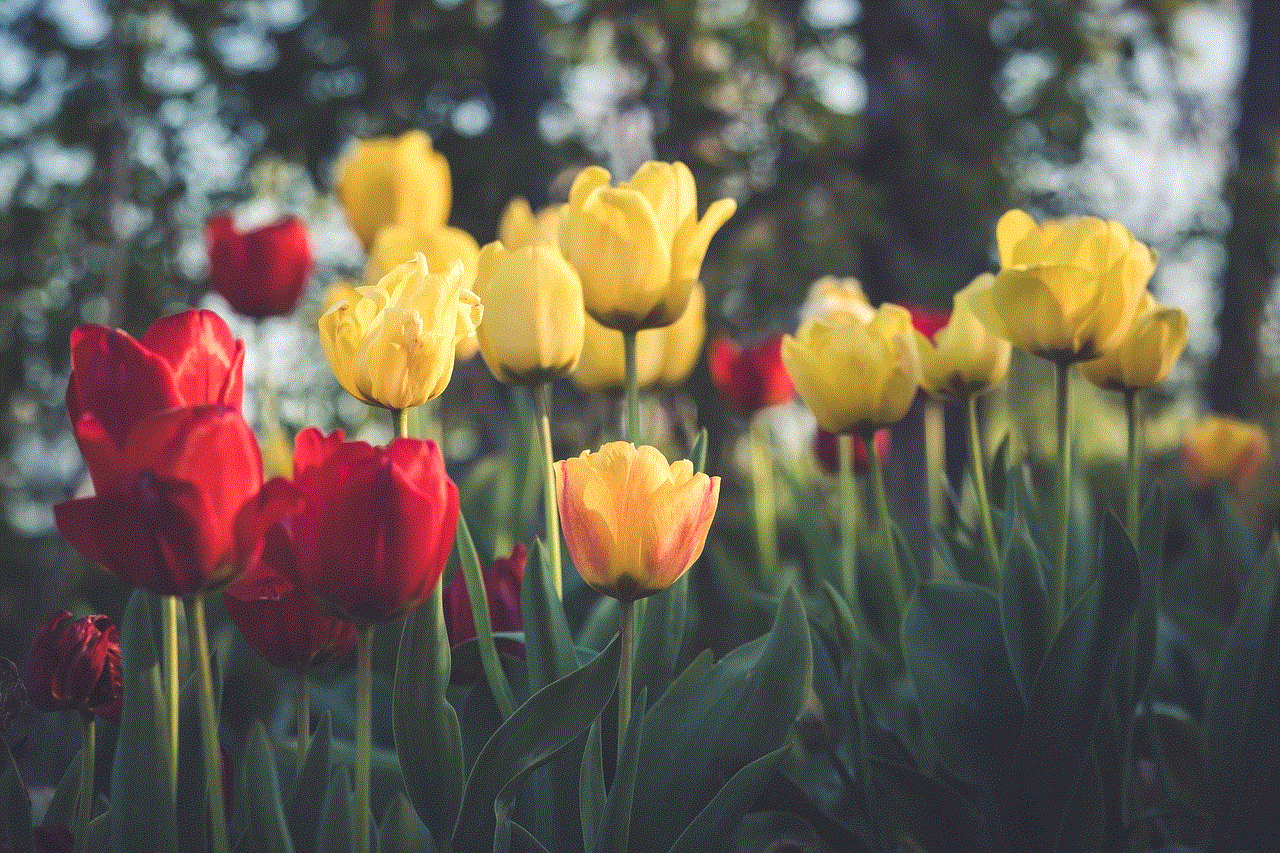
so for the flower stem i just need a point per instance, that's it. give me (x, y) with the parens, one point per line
(848, 524)
(896, 583)
(633, 396)
(627, 614)
(763, 501)
(364, 733)
(172, 683)
(304, 715)
(1058, 578)
(84, 807)
(1133, 415)
(542, 400)
(402, 423)
(935, 466)
(209, 727)
(977, 465)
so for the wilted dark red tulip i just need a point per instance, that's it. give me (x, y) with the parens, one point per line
(753, 378)
(826, 448)
(75, 666)
(927, 321)
(501, 589)
(164, 512)
(262, 272)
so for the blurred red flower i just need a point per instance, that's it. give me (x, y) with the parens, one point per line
(75, 666)
(501, 589)
(827, 450)
(262, 272)
(928, 321)
(753, 378)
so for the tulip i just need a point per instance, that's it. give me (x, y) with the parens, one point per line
(600, 369)
(502, 594)
(186, 359)
(638, 247)
(633, 523)
(441, 247)
(826, 449)
(277, 618)
(394, 181)
(166, 504)
(682, 340)
(1147, 352)
(533, 321)
(856, 377)
(927, 321)
(262, 272)
(830, 298)
(753, 378)
(520, 226)
(392, 344)
(1221, 449)
(962, 358)
(75, 666)
(1067, 290)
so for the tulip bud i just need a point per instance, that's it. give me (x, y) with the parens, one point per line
(394, 181)
(633, 523)
(392, 344)
(502, 596)
(75, 666)
(263, 272)
(962, 358)
(520, 226)
(1146, 354)
(753, 378)
(533, 321)
(1224, 450)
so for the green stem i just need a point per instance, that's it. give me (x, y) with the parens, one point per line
(402, 422)
(627, 615)
(364, 733)
(84, 807)
(542, 400)
(896, 583)
(304, 715)
(848, 524)
(169, 638)
(209, 726)
(766, 513)
(1058, 578)
(977, 465)
(1132, 415)
(935, 458)
(633, 396)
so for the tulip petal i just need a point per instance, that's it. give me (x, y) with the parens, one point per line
(1013, 228)
(117, 379)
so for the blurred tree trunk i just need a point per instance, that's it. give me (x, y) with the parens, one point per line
(519, 89)
(1255, 219)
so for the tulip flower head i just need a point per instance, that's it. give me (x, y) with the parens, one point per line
(520, 226)
(633, 523)
(831, 298)
(441, 247)
(855, 377)
(638, 247)
(753, 378)
(75, 665)
(502, 582)
(533, 321)
(394, 181)
(1067, 290)
(963, 358)
(1220, 449)
(392, 344)
(262, 272)
(1146, 354)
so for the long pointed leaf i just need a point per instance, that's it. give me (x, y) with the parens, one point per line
(659, 639)
(306, 800)
(547, 641)
(15, 810)
(336, 832)
(469, 565)
(710, 829)
(401, 831)
(265, 812)
(591, 793)
(616, 829)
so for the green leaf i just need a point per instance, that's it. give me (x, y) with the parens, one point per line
(62, 806)
(15, 811)
(469, 563)
(600, 625)
(933, 812)
(1066, 698)
(698, 452)
(525, 836)
(954, 650)
(710, 829)
(1024, 603)
(547, 641)
(549, 721)
(428, 739)
(336, 832)
(265, 813)
(193, 822)
(1084, 827)
(1151, 532)
(616, 828)
(306, 800)
(659, 640)
(591, 793)
(820, 546)
(142, 780)
(401, 831)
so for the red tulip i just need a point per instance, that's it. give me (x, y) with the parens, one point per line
(372, 527)
(753, 378)
(166, 501)
(928, 321)
(75, 666)
(186, 359)
(263, 272)
(502, 591)
(828, 451)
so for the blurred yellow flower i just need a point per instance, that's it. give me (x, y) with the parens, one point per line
(964, 359)
(441, 246)
(1067, 290)
(1221, 449)
(633, 523)
(520, 226)
(664, 356)
(855, 377)
(682, 340)
(533, 319)
(831, 298)
(1146, 354)
(638, 247)
(392, 344)
(400, 181)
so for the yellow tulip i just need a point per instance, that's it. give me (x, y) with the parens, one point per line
(392, 344)
(600, 369)
(633, 523)
(441, 246)
(964, 359)
(1067, 290)
(830, 298)
(855, 377)
(533, 320)
(638, 247)
(520, 226)
(394, 181)
(1147, 353)
(1224, 450)
(682, 340)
